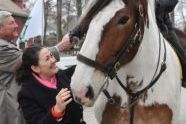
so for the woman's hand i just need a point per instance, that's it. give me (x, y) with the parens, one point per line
(63, 98)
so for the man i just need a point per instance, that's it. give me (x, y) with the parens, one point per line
(10, 60)
(163, 8)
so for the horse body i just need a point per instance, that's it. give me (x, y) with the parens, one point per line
(157, 105)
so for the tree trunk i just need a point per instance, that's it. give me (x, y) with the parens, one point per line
(46, 7)
(59, 14)
(79, 7)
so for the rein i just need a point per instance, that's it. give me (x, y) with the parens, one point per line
(111, 69)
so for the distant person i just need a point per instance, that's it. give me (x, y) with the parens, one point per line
(10, 60)
(45, 95)
(163, 8)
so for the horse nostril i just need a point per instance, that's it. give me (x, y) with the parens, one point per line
(90, 92)
(77, 99)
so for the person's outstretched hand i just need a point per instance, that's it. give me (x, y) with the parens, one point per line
(65, 43)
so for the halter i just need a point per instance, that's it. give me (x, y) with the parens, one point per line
(111, 69)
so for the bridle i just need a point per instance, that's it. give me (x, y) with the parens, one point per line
(111, 69)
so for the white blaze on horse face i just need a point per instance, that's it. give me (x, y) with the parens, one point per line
(84, 75)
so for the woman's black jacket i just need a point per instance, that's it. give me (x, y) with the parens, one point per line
(36, 101)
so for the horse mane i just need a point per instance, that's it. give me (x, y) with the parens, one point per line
(134, 5)
(93, 11)
(98, 6)
(145, 11)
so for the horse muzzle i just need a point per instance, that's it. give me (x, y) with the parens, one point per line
(84, 97)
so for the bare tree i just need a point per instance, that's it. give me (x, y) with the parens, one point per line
(46, 12)
(79, 7)
(59, 15)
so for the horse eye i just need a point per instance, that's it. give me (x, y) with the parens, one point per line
(123, 20)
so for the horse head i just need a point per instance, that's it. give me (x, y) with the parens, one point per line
(113, 38)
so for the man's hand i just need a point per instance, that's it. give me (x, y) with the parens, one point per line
(65, 43)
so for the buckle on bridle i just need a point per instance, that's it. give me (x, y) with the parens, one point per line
(116, 66)
(137, 36)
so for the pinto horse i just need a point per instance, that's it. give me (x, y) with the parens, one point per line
(126, 71)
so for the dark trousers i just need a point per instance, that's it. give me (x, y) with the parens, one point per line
(174, 41)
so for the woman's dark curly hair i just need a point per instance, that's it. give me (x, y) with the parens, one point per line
(30, 57)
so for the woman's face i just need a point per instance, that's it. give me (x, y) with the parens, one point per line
(47, 64)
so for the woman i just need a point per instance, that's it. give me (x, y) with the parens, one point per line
(45, 97)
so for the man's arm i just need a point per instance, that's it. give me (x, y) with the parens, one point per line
(10, 58)
(63, 45)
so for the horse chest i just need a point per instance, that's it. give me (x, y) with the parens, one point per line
(156, 114)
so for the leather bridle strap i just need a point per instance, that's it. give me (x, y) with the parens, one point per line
(92, 63)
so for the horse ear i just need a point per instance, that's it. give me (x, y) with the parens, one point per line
(125, 1)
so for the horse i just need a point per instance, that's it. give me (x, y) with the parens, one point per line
(126, 71)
